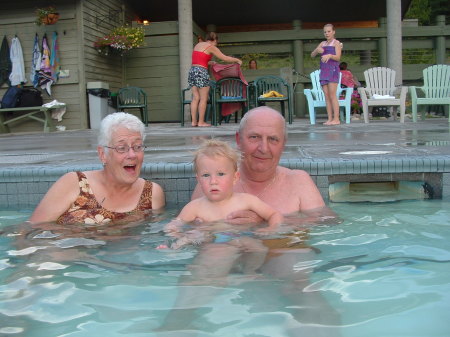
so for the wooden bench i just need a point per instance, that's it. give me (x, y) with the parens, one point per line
(29, 112)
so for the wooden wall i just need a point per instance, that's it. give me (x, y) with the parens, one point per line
(98, 18)
(80, 24)
(17, 19)
(155, 68)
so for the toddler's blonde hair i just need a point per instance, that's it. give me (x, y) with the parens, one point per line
(216, 148)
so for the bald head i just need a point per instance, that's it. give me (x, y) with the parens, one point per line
(265, 114)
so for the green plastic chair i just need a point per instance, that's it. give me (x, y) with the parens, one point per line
(230, 90)
(268, 83)
(435, 89)
(133, 98)
(211, 105)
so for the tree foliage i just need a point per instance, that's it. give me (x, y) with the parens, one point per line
(419, 9)
(439, 7)
(427, 10)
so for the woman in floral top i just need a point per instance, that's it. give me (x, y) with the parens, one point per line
(111, 194)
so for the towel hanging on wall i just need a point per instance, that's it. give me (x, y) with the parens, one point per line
(45, 71)
(35, 62)
(54, 58)
(5, 62)
(17, 75)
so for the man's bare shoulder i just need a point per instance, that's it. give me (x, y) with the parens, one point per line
(298, 176)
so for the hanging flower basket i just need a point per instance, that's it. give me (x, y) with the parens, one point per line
(120, 40)
(46, 16)
(50, 19)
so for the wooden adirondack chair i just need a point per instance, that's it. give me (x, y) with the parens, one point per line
(435, 91)
(316, 97)
(381, 81)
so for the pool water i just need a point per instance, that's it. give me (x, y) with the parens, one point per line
(383, 271)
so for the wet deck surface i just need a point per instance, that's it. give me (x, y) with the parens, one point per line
(170, 143)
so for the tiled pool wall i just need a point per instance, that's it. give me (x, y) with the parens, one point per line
(24, 187)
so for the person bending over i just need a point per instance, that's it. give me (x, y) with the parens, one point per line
(198, 77)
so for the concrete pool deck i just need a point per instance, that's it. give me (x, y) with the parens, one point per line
(380, 150)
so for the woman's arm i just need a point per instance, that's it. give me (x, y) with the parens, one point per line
(57, 199)
(217, 53)
(158, 197)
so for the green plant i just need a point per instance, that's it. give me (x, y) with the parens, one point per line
(44, 15)
(120, 40)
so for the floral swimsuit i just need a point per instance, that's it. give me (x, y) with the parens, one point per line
(86, 209)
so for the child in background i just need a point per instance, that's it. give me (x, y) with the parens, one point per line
(216, 167)
(330, 51)
(348, 80)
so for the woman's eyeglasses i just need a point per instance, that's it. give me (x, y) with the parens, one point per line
(126, 148)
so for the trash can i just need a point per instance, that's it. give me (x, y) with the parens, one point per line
(98, 102)
(113, 99)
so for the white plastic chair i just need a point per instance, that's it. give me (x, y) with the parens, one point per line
(381, 81)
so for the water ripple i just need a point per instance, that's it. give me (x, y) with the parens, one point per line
(436, 254)
(357, 240)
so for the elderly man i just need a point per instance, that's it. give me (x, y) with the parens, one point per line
(261, 139)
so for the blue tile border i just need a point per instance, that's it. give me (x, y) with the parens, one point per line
(17, 184)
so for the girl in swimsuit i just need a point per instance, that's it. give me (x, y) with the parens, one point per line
(198, 77)
(330, 51)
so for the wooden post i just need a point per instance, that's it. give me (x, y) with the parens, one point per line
(394, 38)
(298, 51)
(185, 43)
(382, 49)
(440, 41)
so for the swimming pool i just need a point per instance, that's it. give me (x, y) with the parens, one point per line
(383, 271)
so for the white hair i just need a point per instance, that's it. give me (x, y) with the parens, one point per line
(117, 120)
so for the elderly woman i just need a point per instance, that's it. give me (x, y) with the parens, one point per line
(114, 193)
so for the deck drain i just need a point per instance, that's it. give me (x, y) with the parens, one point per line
(25, 158)
(429, 143)
(365, 152)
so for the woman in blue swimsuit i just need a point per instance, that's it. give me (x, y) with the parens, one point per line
(330, 52)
